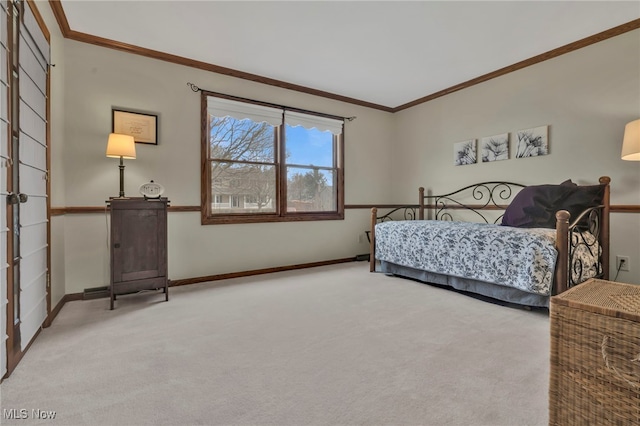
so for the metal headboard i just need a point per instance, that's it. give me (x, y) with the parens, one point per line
(492, 195)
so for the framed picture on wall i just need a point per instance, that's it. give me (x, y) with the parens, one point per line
(533, 142)
(141, 125)
(495, 148)
(464, 152)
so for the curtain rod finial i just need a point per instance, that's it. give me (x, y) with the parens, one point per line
(193, 87)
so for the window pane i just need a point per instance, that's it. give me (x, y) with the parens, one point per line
(265, 163)
(242, 188)
(242, 140)
(311, 189)
(308, 146)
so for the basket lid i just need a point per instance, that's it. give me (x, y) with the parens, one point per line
(605, 297)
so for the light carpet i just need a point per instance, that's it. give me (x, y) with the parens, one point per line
(332, 345)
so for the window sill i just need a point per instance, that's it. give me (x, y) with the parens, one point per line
(270, 218)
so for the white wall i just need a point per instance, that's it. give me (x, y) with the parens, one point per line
(97, 79)
(586, 97)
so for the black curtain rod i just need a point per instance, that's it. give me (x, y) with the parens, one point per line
(238, 98)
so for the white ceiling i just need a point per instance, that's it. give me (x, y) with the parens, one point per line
(384, 52)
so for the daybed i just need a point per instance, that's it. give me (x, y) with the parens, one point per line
(541, 240)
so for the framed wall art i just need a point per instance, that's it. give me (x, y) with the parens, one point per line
(533, 142)
(142, 126)
(495, 148)
(464, 152)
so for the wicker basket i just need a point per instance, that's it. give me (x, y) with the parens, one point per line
(595, 355)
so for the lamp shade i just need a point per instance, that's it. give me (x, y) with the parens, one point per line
(121, 146)
(631, 141)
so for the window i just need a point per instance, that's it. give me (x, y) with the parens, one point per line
(266, 164)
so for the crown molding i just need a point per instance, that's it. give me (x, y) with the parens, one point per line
(604, 35)
(67, 32)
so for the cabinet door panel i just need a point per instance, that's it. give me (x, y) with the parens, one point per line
(138, 240)
(136, 249)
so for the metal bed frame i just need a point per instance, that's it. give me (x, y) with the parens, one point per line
(494, 196)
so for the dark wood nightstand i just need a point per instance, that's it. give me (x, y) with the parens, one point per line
(138, 245)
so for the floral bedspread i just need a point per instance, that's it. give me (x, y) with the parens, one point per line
(523, 258)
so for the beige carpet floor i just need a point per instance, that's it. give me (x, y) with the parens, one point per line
(332, 345)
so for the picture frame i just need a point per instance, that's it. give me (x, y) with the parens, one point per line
(495, 148)
(533, 142)
(142, 126)
(464, 153)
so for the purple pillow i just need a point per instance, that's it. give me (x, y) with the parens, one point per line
(581, 199)
(535, 206)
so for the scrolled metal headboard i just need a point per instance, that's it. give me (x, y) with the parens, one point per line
(589, 220)
(408, 212)
(492, 195)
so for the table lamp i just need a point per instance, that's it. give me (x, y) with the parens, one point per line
(121, 146)
(631, 141)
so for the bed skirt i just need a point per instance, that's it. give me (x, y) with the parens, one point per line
(495, 291)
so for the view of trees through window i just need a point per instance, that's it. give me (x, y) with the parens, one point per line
(243, 164)
(309, 156)
(259, 169)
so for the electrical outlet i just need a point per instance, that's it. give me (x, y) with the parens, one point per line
(622, 263)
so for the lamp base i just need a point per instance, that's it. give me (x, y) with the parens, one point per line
(121, 167)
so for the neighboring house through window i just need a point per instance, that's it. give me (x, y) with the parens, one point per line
(266, 164)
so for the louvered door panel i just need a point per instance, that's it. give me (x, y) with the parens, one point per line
(4, 155)
(34, 57)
